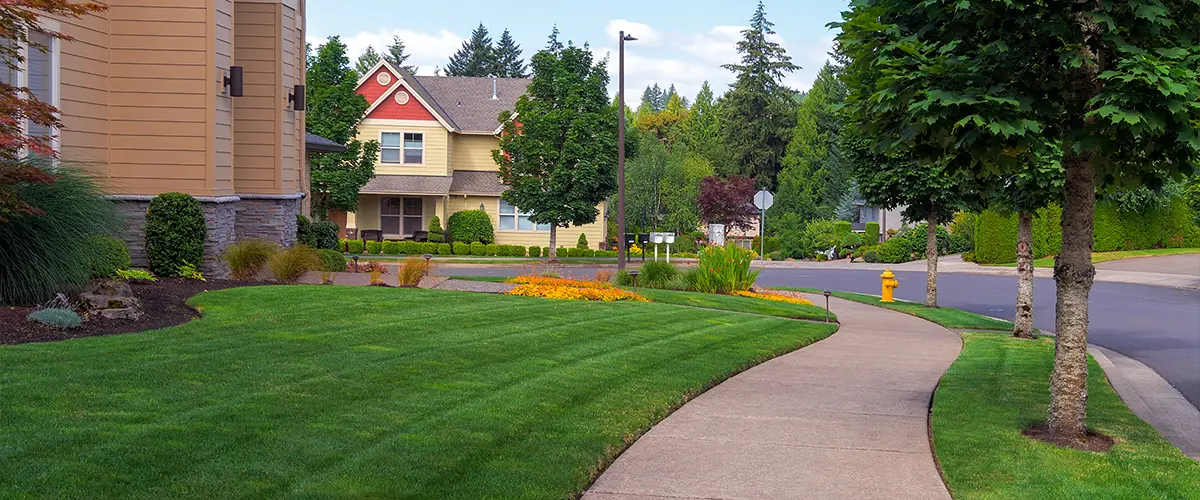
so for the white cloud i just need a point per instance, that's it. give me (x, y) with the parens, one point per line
(426, 50)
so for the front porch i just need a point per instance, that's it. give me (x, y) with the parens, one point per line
(398, 216)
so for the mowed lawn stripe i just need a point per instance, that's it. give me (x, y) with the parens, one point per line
(363, 392)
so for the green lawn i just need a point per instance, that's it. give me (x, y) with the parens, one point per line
(1099, 257)
(311, 391)
(738, 304)
(947, 317)
(998, 387)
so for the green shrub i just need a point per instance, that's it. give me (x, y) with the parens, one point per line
(391, 248)
(491, 249)
(57, 317)
(570, 252)
(657, 274)
(516, 250)
(756, 245)
(443, 249)
(962, 232)
(535, 251)
(374, 247)
(871, 233)
(436, 233)
(461, 248)
(823, 234)
(290, 264)
(470, 226)
(135, 275)
(850, 241)
(871, 256)
(842, 228)
(478, 249)
(190, 271)
(777, 255)
(334, 261)
(110, 257)
(175, 233)
(582, 242)
(430, 247)
(410, 248)
(725, 270)
(321, 235)
(354, 246)
(246, 258)
(893, 251)
(968, 256)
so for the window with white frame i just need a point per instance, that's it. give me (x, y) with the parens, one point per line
(405, 148)
(402, 216)
(39, 72)
(512, 219)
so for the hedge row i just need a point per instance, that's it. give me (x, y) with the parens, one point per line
(1168, 227)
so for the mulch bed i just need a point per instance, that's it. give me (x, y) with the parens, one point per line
(1092, 440)
(164, 302)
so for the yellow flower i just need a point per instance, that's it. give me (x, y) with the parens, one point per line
(539, 280)
(774, 296)
(604, 294)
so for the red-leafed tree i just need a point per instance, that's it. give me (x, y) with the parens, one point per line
(18, 105)
(727, 201)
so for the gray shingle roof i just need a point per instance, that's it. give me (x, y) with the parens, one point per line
(470, 182)
(467, 100)
(314, 143)
(408, 184)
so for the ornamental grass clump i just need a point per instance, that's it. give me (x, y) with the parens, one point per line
(724, 270)
(290, 264)
(413, 269)
(247, 258)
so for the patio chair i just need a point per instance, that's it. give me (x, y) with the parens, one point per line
(372, 235)
(420, 236)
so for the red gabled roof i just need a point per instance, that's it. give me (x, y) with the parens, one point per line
(390, 109)
(371, 89)
(420, 106)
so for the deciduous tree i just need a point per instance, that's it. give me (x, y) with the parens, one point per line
(727, 201)
(335, 110)
(559, 160)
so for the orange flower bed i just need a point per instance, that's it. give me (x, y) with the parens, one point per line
(543, 281)
(606, 294)
(774, 296)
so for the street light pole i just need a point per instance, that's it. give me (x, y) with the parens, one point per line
(621, 247)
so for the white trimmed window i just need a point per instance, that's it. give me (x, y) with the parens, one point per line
(39, 72)
(512, 219)
(406, 148)
(402, 216)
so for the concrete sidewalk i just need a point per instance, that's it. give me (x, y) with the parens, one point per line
(843, 418)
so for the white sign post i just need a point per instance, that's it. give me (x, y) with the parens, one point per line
(763, 200)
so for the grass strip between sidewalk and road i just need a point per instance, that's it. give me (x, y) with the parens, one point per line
(1098, 257)
(997, 388)
(364, 392)
(956, 319)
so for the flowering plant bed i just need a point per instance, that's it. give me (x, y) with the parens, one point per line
(558, 282)
(601, 294)
(778, 297)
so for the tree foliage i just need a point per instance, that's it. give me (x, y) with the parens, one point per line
(477, 57)
(727, 201)
(560, 160)
(367, 60)
(396, 56)
(509, 63)
(335, 110)
(815, 176)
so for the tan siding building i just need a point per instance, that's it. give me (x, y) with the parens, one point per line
(145, 105)
(436, 136)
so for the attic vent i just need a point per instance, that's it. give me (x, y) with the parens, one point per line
(384, 78)
(401, 97)
(494, 96)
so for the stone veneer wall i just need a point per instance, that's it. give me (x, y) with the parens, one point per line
(228, 219)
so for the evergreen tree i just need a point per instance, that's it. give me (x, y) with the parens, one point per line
(758, 111)
(366, 61)
(814, 177)
(477, 57)
(701, 130)
(653, 100)
(508, 58)
(666, 98)
(395, 55)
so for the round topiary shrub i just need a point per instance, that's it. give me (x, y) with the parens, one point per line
(334, 261)
(444, 249)
(478, 249)
(175, 233)
(535, 251)
(470, 226)
(354, 246)
(111, 256)
(461, 248)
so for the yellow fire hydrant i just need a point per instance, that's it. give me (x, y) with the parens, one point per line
(889, 284)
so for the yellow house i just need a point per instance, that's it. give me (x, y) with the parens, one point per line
(436, 137)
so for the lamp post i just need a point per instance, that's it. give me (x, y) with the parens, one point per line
(622, 250)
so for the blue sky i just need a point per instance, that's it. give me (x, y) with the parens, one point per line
(680, 42)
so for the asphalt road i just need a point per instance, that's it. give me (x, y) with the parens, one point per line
(1158, 326)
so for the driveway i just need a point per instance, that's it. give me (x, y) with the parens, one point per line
(1159, 326)
(1188, 264)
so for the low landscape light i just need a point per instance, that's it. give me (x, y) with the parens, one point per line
(355, 257)
(827, 293)
(634, 273)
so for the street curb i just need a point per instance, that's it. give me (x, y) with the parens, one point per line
(1152, 399)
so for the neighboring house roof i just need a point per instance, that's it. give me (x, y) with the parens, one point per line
(408, 184)
(471, 182)
(314, 143)
(468, 100)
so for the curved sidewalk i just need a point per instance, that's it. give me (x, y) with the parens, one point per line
(843, 418)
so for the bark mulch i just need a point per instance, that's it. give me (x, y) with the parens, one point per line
(164, 302)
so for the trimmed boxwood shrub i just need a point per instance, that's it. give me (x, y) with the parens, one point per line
(175, 233)
(461, 248)
(491, 249)
(410, 247)
(354, 246)
(374, 247)
(391, 248)
(443, 249)
(842, 228)
(436, 233)
(470, 226)
(334, 261)
(870, 234)
(535, 251)
(430, 247)
(582, 242)
(111, 256)
(478, 248)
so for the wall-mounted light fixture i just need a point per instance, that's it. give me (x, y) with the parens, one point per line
(234, 81)
(296, 98)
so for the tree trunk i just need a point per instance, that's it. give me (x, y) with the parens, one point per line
(931, 259)
(552, 256)
(1073, 273)
(1024, 321)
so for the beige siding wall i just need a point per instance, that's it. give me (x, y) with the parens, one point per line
(436, 145)
(222, 114)
(566, 236)
(291, 34)
(474, 152)
(83, 88)
(257, 130)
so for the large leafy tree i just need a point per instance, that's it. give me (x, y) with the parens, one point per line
(727, 201)
(477, 57)
(560, 159)
(1118, 83)
(19, 105)
(759, 109)
(509, 63)
(814, 176)
(334, 111)
(701, 130)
